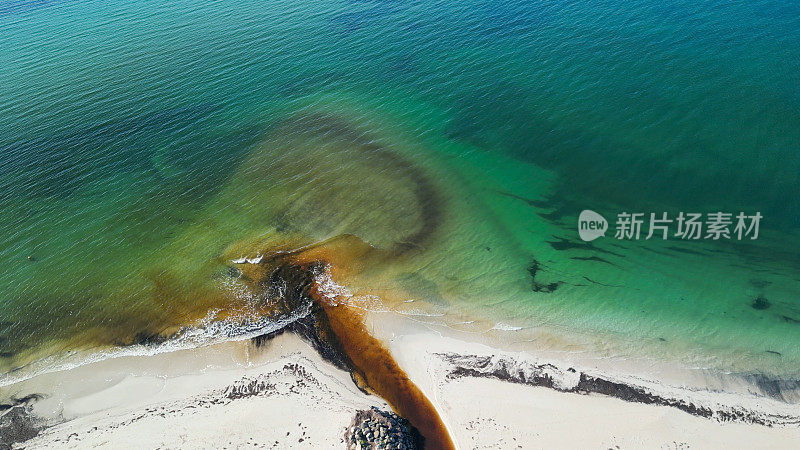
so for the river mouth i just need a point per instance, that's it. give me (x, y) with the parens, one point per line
(334, 325)
(441, 232)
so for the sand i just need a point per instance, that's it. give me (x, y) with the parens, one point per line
(283, 395)
(488, 413)
(286, 397)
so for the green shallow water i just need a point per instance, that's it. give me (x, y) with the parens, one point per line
(140, 143)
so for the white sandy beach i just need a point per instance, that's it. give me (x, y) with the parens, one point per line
(490, 413)
(185, 399)
(283, 395)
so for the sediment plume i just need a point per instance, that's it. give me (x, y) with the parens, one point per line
(315, 173)
(372, 152)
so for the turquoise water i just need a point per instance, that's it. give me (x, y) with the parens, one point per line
(141, 143)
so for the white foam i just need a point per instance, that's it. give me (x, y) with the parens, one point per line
(244, 325)
(419, 312)
(505, 327)
(255, 260)
(247, 260)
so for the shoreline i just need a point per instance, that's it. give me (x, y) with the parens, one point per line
(333, 347)
(188, 389)
(282, 391)
(460, 359)
(498, 337)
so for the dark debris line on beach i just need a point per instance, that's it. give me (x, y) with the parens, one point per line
(541, 375)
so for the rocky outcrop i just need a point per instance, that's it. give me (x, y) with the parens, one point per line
(376, 429)
(17, 423)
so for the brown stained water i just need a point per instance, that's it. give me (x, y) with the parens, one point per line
(314, 176)
(290, 278)
(450, 229)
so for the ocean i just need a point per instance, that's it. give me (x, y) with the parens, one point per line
(145, 146)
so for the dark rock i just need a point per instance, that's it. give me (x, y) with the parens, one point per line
(20, 401)
(533, 270)
(148, 338)
(18, 425)
(376, 429)
(289, 284)
(760, 303)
